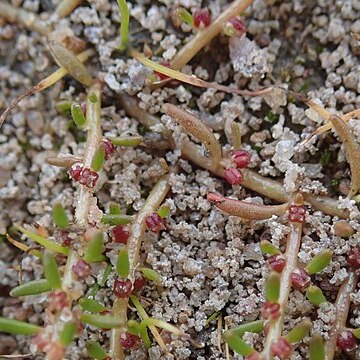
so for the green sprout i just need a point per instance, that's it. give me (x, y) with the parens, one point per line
(268, 248)
(117, 219)
(102, 321)
(315, 295)
(151, 275)
(16, 327)
(298, 332)
(319, 262)
(91, 305)
(129, 141)
(272, 287)
(237, 344)
(95, 350)
(78, 115)
(51, 271)
(93, 251)
(60, 217)
(122, 265)
(98, 159)
(68, 333)
(124, 27)
(34, 287)
(317, 348)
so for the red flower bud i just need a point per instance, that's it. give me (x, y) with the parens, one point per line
(88, 178)
(57, 301)
(159, 74)
(75, 171)
(122, 288)
(154, 223)
(129, 341)
(297, 213)
(139, 283)
(300, 279)
(233, 176)
(282, 349)
(109, 148)
(202, 17)
(270, 311)
(353, 258)
(346, 341)
(277, 262)
(121, 234)
(237, 24)
(81, 269)
(241, 158)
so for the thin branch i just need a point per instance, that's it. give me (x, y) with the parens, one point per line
(66, 7)
(342, 306)
(291, 256)
(246, 210)
(94, 136)
(119, 308)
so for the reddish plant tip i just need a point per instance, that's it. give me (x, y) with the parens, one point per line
(42, 341)
(346, 341)
(241, 158)
(81, 269)
(277, 262)
(129, 341)
(109, 148)
(122, 288)
(84, 176)
(139, 283)
(65, 238)
(270, 311)
(297, 213)
(57, 301)
(202, 18)
(282, 349)
(233, 176)
(160, 75)
(154, 223)
(121, 234)
(300, 279)
(238, 24)
(214, 198)
(353, 258)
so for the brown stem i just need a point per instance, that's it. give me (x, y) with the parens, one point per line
(342, 306)
(119, 308)
(291, 256)
(66, 7)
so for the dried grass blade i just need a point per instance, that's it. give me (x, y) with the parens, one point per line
(193, 80)
(23, 247)
(196, 128)
(66, 7)
(352, 151)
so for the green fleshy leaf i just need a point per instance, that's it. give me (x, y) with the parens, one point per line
(48, 244)
(68, 333)
(93, 251)
(356, 332)
(98, 159)
(133, 327)
(185, 16)
(212, 317)
(122, 265)
(253, 327)
(299, 332)
(106, 274)
(151, 275)
(145, 337)
(34, 287)
(16, 327)
(102, 321)
(319, 262)
(95, 350)
(91, 305)
(268, 248)
(93, 98)
(315, 295)
(78, 115)
(129, 141)
(272, 287)
(237, 344)
(51, 271)
(117, 219)
(164, 211)
(63, 107)
(115, 209)
(317, 348)
(60, 217)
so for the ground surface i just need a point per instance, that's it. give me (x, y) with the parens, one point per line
(209, 261)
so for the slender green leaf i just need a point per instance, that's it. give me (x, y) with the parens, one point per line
(106, 274)
(16, 327)
(272, 287)
(117, 219)
(60, 217)
(185, 16)
(34, 287)
(63, 107)
(145, 337)
(133, 327)
(93, 98)
(237, 344)
(95, 350)
(319, 262)
(98, 159)
(315, 295)
(48, 244)
(299, 332)
(122, 265)
(78, 115)
(91, 305)
(151, 275)
(268, 248)
(317, 348)
(51, 271)
(68, 333)
(94, 249)
(124, 27)
(253, 327)
(102, 321)
(129, 141)
(160, 324)
(356, 332)
(213, 316)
